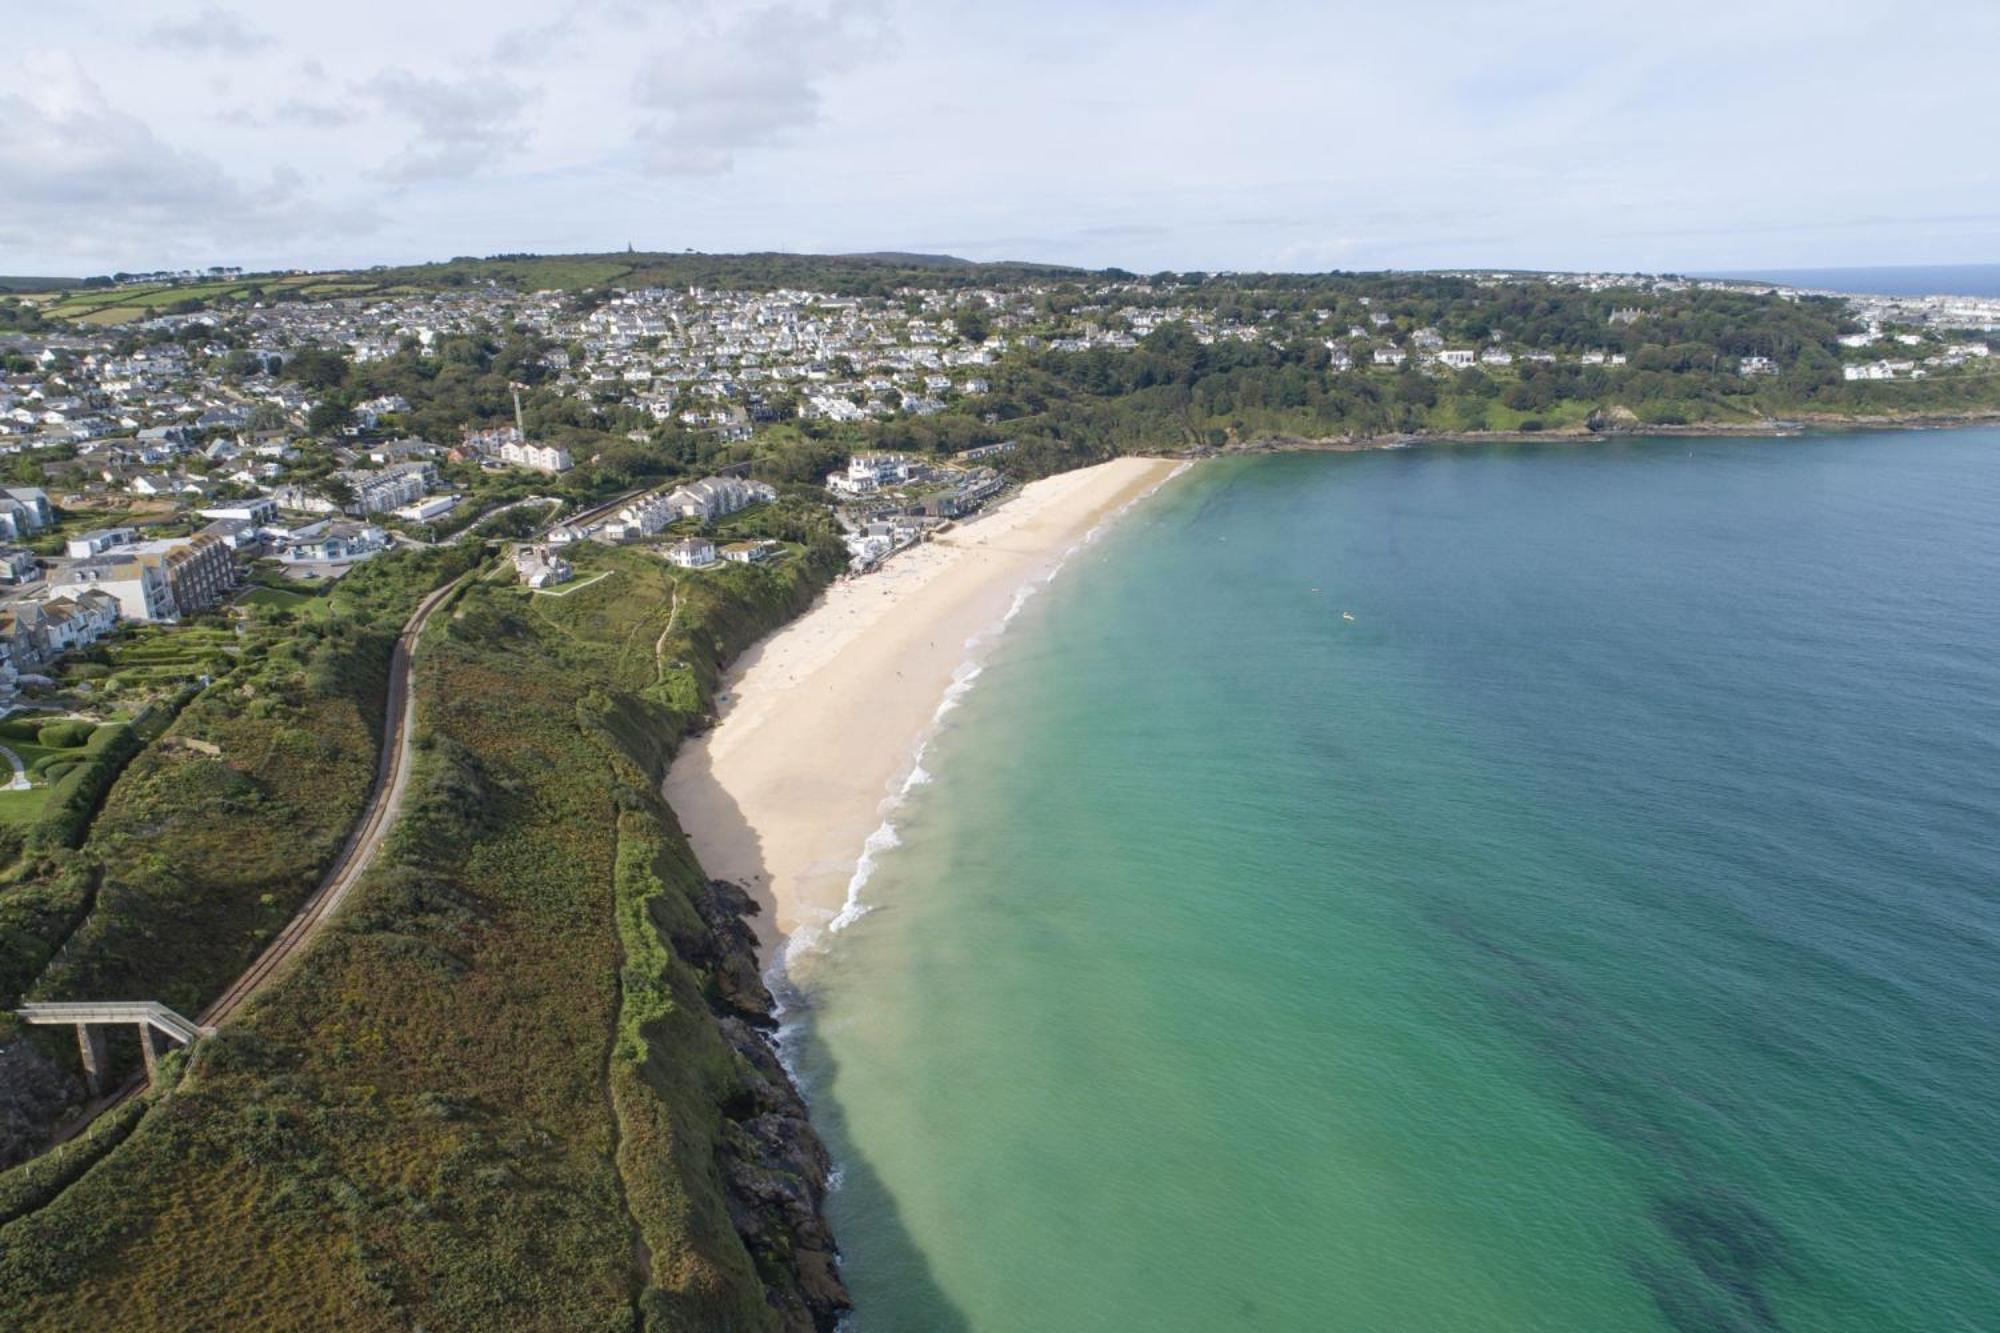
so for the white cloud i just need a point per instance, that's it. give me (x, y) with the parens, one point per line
(292, 113)
(211, 30)
(461, 126)
(731, 81)
(84, 177)
(1179, 133)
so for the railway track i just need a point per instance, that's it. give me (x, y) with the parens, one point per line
(385, 800)
(392, 773)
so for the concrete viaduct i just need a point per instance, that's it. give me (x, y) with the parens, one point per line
(152, 1019)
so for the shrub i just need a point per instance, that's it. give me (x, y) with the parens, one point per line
(66, 735)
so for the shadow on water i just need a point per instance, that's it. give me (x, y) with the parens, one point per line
(895, 1255)
(1723, 1257)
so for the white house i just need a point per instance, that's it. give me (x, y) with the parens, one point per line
(99, 540)
(23, 510)
(692, 553)
(258, 510)
(18, 566)
(539, 567)
(749, 553)
(424, 510)
(334, 542)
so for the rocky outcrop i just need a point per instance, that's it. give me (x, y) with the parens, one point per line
(727, 952)
(774, 1166)
(34, 1091)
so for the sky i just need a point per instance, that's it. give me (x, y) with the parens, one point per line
(1183, 134)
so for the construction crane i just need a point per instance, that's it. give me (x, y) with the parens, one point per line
(520, 425)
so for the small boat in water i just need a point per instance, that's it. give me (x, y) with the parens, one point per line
(1347, 615)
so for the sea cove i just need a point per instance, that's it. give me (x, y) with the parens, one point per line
(1598, 929)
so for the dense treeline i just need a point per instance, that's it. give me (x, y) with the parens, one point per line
(853, 275)
(1681, 353)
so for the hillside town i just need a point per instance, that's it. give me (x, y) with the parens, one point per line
(162, 459)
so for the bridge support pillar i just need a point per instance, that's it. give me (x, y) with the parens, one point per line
(90, 1041)
(150, 1051)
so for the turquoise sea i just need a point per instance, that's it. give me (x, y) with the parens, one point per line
(1598, 931)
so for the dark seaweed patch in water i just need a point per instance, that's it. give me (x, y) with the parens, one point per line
(1735, 1247)
(1730, 1252)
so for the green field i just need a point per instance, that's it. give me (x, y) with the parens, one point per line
(117, 305)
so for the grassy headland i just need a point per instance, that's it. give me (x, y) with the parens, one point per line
(516, 1084)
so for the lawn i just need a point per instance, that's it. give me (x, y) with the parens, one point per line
(306, 604)
(47, 765)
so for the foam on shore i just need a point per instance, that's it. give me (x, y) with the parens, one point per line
(825, 724)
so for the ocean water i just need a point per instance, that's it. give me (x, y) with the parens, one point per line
(1896, 280)
(1600, 930)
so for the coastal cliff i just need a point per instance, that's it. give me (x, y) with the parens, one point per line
(525, 1079)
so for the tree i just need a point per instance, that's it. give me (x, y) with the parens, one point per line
(316, 368)
(338, 490)
(974, 323)
(328, 416)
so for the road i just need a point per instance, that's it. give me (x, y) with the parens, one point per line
(20, 779)
(392, 776)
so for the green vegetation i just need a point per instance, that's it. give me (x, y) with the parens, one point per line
(861, 274)
(160, 857)
(98, 302)
(494, 1094)
(59, 757)
(209, 842)
(146, 661)
(37, 1183)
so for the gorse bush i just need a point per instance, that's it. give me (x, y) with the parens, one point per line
(65, 735)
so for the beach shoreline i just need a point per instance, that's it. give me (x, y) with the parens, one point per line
(821, 725)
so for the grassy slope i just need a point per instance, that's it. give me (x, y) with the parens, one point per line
(194, 860)
(491, 1097)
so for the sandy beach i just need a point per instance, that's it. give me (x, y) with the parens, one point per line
(821, 721)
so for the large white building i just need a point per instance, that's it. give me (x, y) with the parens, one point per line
(374, 491)
(550, 458)
(869, 473)
(716, 497)
(706, 500)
